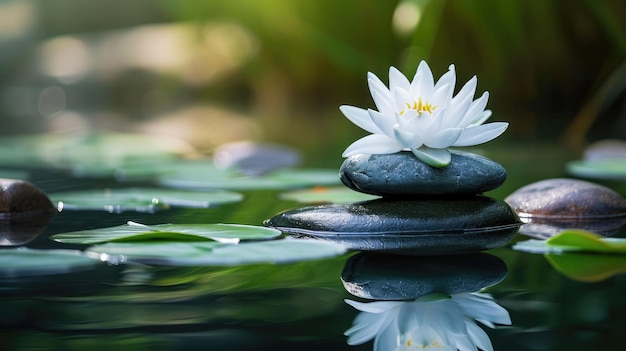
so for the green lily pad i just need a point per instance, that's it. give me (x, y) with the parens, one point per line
(598, 169)
(326, 195)
(216, 254)
(23, 261)
(140, 199)
(89, 154)
(588, 268)
(219, 232)
(574, 240)
(204, 175)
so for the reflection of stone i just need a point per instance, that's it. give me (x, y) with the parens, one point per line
(24, 212)
(543, 228)
(29, 227)
(552, 205)
(402, 175)
(394, 277)
(422, 227)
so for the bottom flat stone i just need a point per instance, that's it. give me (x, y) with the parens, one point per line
(415, 227)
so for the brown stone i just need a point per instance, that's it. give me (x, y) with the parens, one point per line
(567, 198)
(18, 197)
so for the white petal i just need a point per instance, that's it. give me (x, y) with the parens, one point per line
(478, 336)
(373, 307)
(484, 116)
(397, 80)
(401, 98)
(443, 138)
(405, 120)
(448, 78)
(373, 144)
(433, 157)
(423, 83)
(468, 89)
(387, 337)
(435, 122)
(384, 106)
(441, 96)
(482, 308)
(407, 139)
(383, 122)
(360, 117)
(376, 86)
(366, 327)
(456, 110)
(412, 122)
(480, 134)
(475, 109)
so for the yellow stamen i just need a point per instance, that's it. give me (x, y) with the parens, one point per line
(419, 106)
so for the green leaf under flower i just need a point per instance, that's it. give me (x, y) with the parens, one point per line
(433, 157)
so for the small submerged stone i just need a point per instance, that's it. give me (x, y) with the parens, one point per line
(18, 198)
(567, 198)
(403, 175)
(251, 158)
(395, 277)
(417, 227)
(608, 149)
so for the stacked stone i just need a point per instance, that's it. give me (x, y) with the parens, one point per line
(423, 210)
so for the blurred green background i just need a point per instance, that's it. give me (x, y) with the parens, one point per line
(211, 71)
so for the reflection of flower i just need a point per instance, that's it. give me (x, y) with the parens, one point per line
(434, 321)
(422, 116)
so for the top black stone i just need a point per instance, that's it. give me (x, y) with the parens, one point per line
(403, 175)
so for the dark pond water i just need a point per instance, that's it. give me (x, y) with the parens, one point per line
(298, 306)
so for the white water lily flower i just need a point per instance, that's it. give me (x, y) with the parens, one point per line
(422, 116)
(429, 322)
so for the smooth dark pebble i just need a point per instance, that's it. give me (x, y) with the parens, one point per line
(403, 175)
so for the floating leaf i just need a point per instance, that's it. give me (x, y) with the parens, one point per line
(227, 233)
(204, 175)
(581, 240)
(27, 262)
(216, 254)
(574, 240)
(598, 169)
(322, 194)
(140, 199)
